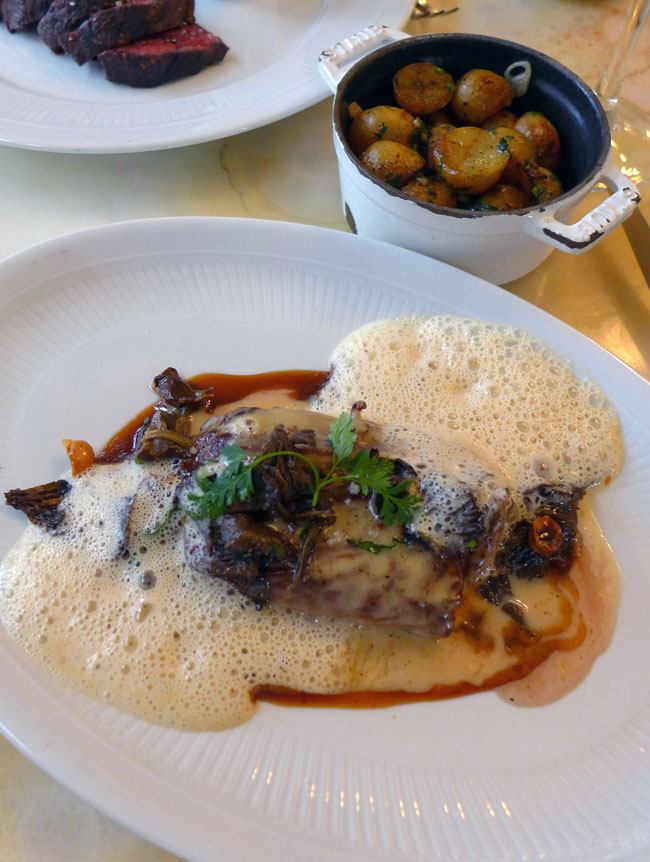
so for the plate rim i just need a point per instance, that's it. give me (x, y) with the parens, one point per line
(17, 134)
(36, 742)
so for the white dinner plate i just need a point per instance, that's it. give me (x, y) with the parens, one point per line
(47, 102)
(85, 322)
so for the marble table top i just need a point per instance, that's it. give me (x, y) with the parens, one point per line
(288, 171)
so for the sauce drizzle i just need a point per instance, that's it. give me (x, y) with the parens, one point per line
(223, 389)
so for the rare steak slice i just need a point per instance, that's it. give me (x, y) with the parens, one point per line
(63, 16)
(122, 24)
(167, 57)
(23, 14)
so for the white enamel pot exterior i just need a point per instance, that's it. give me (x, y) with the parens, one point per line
(497, 246)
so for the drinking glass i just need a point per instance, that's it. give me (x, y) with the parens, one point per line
(629, 124)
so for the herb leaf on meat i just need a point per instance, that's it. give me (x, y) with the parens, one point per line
(230, 479)
(342, 437)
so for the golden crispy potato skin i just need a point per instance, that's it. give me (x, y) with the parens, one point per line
(479, 94)
(422, 88)
(502, 197)
(543, 184)
(431, 190)
(501, 118)
(471, 159)
(436, 136)
(392, 162)
(543, 136)
(382, 123)
(521, 152)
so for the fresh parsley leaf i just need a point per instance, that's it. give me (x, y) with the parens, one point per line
(481, 206)
(222, 489)
(370, 472)
(342, 437)
(375, 475)
(374, 547)
(381, 131)
(502, 146)
(163, 523)
(231, 478)
(471, 544)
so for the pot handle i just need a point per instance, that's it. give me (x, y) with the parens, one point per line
(578, 237)
(333, 62)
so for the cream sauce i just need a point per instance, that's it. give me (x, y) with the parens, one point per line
(151, 637)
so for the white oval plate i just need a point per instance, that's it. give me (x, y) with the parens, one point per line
(85, 322)
(47, 102)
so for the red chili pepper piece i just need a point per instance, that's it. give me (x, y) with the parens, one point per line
(545, 535)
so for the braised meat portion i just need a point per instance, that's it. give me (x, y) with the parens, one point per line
(124, 23)
(310, 564)
(338, 556)
(157, 60)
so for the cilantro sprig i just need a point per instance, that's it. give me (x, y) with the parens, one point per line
(230, 479)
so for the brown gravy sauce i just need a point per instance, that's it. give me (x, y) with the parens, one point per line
(223, 389)
(546, 664)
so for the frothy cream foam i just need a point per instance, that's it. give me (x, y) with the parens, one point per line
(497, 389)
(145, 633)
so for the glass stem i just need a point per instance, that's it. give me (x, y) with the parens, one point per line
(609, 86)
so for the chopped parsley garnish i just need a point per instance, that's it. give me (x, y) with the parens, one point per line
(374, 547)
(502, 146)
(392, 179)
(230, 479)
(164, 522)
(381, 131)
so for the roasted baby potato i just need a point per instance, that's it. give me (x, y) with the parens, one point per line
(436, 135)
(441, 118)
(392, 162)
(544, 137)
(502, 197)
(544, 185)
(422, 88)
(521, 152)
(471, 159)
(480, 94)
(501, 118)
(382, 123)
(431, 190)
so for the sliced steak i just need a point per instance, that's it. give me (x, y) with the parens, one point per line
(23, 14)
(63, 16)
(172, 55)
(122, 24)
